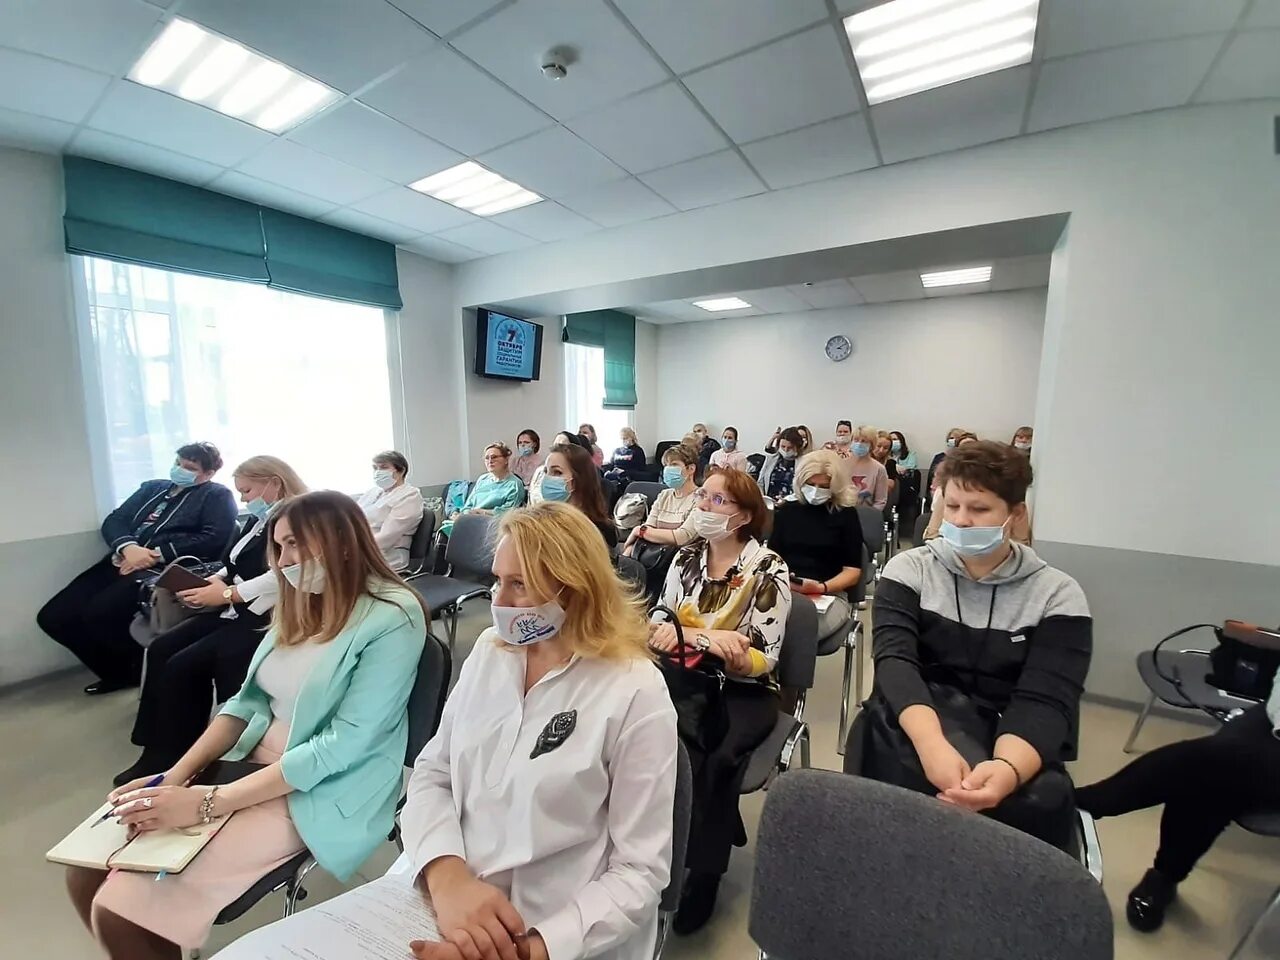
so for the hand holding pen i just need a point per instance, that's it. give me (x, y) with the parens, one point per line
(129, 788)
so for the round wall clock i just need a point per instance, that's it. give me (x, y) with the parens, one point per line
(839, 348)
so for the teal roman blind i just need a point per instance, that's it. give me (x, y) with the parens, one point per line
(616, 332)
(122, 214)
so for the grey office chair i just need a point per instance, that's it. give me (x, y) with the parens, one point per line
(420, 544)
(873, 536)
(849, 637)
(470, 558)
(850, 868)
(633, 571)
(681, 816)
(917, 534)
(1262, 940)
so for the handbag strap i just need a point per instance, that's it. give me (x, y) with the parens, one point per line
(674, 621)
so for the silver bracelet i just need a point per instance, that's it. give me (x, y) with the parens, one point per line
(206, 806)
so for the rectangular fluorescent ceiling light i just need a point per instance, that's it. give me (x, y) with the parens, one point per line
(722, 303)
(953, 278)
(471, 187)
(194, 64)
(907, 46)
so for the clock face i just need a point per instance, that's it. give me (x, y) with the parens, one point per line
(839, 348)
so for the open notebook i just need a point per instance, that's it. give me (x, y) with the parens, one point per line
(107, 845)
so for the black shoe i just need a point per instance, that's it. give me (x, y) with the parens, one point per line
(1149, 900)
(697, 903)
(146, 764)
(99, 687)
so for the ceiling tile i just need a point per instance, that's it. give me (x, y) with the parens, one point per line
(1263, 13)
(824, 150)
(442, 250)
(707, 180)
(451, 100)
(270, 195)
(608, 61)
(774, 300)
(32, 84)
(375, 227)
(788, 84)
(828, 294)
(1249, 68)
(612, 205)
(488, 238)
(299, 168)
(691, 33)
(964, 114)
(1080, 25)
(1019, 273)
(546, 221)
(344, 43)
(140, 113)
(887, 287)
(445, 16)
(553, 162)
(624, 131)
(143, 156)
(366, 139)
(33, 133)
(1112, 83)
(409, 208)
(104, 35)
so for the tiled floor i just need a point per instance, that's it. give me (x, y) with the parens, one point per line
(61, 749)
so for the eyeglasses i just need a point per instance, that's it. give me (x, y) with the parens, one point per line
(701, 496)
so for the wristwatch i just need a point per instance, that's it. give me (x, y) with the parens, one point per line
(702, 642)
(226, 594)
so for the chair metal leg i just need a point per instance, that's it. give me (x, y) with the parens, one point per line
(1137, 724)
(294, 890)
(852, 689)
(1263, 932)
(1090, 846)
(664, 926)
(453, 627)
(804, 750)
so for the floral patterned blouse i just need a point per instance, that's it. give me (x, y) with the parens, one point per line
(754, 598)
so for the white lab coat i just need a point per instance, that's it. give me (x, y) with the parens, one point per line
(394, 516)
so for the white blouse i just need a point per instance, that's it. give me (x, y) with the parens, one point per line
(579, 838)
(282, 673)
(393, 516)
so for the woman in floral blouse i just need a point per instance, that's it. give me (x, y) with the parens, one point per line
(732, 596)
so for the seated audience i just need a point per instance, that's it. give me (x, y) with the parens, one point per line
(670, 520)
(732, 596)
(496, 491)
(203, 660)
(1022, 439)
(629, 457)
(880, 452)
(323, 708)
(588, 432)
(392, 507)
(819, 537)
(981, 650)
(529, 456)
(844, 437)
(870, 479)
(953, 440)
(561, 438)
(706, 445)
(900, 452)
(909, 478)
(1204, 785)
(729, 457)
(570, 477)
(1019, 527)
(779, 470)
(182, 516)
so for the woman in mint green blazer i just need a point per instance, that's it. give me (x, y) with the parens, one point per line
(323, 708)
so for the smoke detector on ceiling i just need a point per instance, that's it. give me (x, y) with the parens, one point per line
(555, 63)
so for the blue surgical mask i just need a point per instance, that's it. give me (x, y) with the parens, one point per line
(673, 476)
(384, 479)
(258, 507)
(555, 489)
(526, 450)
(972, 541)
(182, 477)
(896, 446)
(860, 448)
(728, 443)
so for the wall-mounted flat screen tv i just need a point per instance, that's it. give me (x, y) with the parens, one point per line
(507, 348)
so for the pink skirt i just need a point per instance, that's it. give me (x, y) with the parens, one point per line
(181, 907)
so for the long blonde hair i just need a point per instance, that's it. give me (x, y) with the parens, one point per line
(331, 529)
(265, 467)
(563, 555)
(830, 463)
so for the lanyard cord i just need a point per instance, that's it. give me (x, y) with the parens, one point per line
(986, 634)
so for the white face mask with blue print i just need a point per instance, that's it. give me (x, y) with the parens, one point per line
(521, 626)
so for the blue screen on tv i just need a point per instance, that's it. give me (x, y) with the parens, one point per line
(507, 347)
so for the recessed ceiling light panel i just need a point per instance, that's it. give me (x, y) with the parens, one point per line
(718, 304)
(908, 46)
(471, 187)
(194, 64)
(952, 278)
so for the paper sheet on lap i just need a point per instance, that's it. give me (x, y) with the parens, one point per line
(375, 921)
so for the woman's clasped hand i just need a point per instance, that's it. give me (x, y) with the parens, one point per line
(475, 919)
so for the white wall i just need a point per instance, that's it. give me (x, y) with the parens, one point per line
(645, 419)
(920, 366)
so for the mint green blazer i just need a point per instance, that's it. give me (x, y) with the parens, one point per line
(345, 752)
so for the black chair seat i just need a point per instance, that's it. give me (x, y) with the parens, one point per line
(1264, 822)
(1191, 668)
(274, 880)
(439, 593)
(764, 758)
(833, 643)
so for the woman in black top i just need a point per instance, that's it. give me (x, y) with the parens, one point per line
(630, 457)
(211, 651)
(819, 536)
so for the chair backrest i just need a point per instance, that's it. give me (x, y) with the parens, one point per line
(798, 658)
(754, 464)
(646, 488)
(917, 535)
(850, 868)
(633, 571)
(872, 521)
(679, 829)
(420, 544)
(470, 550)
(426, 699)
(859, 591)
(662, 447)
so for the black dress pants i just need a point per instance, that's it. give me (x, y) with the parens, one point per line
(717, 777)
(1204, 784)
(185, 666)
(90, 616)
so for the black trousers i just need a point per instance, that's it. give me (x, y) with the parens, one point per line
(184, 668)
(717, 777)
(1204, 784)
(90, 616)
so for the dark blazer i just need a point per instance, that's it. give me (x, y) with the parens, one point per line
(198, 521)
(252, 560)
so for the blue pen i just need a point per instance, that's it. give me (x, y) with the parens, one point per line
(153, 782)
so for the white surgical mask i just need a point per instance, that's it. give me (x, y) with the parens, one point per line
(816, 495)
(308, 579)
(711, 526)
(521, 626)
(1022, 444)
(384, 479)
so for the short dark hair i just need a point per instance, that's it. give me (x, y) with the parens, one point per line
(203, 453)
(532, 435)
(577, 439)
(844, 423)
(987, 465)
(394, 459)
(733, 430)
(746, 493)
(793, 436)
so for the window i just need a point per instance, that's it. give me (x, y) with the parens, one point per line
(253, 370)
(584, 395)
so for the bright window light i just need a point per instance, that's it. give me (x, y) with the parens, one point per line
(722, 303)
(907, 46)
(952, 278)
(190, 62)
(471, 187)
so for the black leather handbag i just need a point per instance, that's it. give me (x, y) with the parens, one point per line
(696, 682)
(656, 559)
